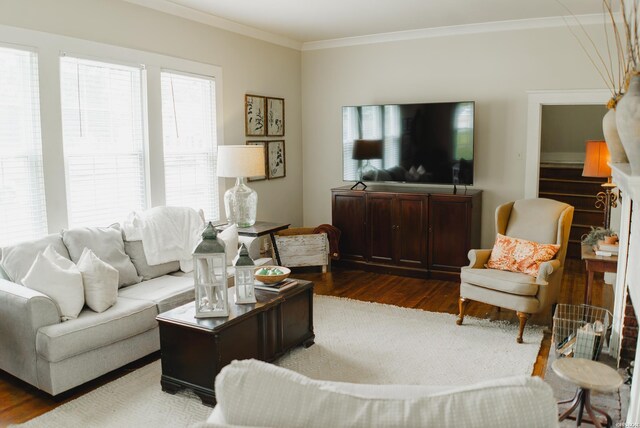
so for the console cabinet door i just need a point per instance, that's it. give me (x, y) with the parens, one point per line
(449, 232)
(349, 215)
(410, 227)
(381, 227)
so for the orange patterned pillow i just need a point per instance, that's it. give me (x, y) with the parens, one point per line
(520, 255)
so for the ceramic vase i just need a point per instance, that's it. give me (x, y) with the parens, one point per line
(628, 123)
(610, 131)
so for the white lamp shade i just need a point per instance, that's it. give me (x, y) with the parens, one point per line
(240, 161)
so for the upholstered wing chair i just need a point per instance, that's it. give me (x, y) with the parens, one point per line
(541, 220)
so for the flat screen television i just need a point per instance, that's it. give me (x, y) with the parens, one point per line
(430, 143)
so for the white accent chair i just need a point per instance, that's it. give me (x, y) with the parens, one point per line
(541, 220)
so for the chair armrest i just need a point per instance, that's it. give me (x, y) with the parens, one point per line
(22, 311)
(546, 269)
(478, 258)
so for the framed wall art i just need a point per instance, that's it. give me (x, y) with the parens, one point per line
(266, 167)
(276, 159)
(254, 115)
(275, 117)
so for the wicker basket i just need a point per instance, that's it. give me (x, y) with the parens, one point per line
(580, 330)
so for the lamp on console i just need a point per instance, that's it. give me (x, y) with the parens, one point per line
(596, 165)
(240, 202)
(365, 150)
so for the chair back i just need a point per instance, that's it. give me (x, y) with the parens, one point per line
(541, 220)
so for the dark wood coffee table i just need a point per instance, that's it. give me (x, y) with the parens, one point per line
(193, 351)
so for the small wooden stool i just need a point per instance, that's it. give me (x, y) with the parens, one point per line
(588, 375)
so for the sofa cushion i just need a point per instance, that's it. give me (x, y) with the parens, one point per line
(135, 251)
(17, 259)
(167, 292)
(107, 244)
(100, 281)
(59, 279)
(254, 393)
(92, 330)
(501, 280)
(230, 238)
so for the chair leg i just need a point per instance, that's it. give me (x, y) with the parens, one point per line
(462, 305)
(523, 320)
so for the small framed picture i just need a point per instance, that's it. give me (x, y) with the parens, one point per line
(275, 117)
(254, 115)
(277, 159)
(264, 147)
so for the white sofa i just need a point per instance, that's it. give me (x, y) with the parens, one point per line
(252, 393)
(54, 356)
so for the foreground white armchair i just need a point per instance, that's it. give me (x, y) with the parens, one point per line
(252, 393)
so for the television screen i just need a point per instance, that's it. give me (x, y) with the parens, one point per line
(416, 143)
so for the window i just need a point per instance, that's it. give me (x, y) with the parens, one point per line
(103, 134)
(190, 141)
(22, 201)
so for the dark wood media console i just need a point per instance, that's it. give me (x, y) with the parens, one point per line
(412, 231)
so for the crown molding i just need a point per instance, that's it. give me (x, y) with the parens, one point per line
(458, 30)
(171, 8)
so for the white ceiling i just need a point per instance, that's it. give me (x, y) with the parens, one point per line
(305, 21)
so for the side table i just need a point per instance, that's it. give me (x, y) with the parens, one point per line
(261, 228)
(595, 264)
(587, 375)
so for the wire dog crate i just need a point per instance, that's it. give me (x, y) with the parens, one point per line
(580, 331)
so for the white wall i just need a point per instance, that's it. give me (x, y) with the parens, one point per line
(248, 65)
(493, 69)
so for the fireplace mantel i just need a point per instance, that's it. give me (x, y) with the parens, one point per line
(628, 275)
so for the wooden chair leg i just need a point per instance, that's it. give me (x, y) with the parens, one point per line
(523, 320)
(462, 305)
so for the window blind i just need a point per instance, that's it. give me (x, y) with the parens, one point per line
(102, 124)
(22, 201)
(190, 142)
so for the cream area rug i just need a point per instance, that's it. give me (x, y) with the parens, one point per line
(355, 342)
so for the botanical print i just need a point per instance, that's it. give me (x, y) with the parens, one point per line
(254, 115)
(264, 146)
(275, 117)
(277, 167)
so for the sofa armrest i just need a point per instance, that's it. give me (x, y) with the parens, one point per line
(478, 258)
(23, 311)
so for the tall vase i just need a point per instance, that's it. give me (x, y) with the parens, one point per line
(628, 122)
(611, 136)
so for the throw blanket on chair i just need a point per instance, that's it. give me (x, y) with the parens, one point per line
(167, 234)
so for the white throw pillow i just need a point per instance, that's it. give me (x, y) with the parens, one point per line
(100, 281)
(230, 238)
(58, 278)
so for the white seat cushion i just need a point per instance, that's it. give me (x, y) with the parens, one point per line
(254, 393)
(91, 330)
(167, 292)
(501, 280)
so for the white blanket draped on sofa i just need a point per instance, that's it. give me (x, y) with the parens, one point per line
(167, 233)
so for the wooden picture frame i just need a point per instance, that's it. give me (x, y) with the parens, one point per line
(254, 115)
(275, 117)
(277, 160)
(266, 162)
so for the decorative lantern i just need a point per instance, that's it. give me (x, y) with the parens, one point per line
(245, 292)
(210, 275)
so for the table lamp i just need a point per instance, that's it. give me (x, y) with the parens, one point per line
(596, 165)
(241, 202)
(365, 150)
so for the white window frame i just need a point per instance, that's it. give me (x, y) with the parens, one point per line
(49, 48)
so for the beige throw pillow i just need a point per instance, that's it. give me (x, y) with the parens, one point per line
(57, 277)
(100, 281)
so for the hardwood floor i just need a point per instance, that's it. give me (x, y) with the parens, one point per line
(20, 402)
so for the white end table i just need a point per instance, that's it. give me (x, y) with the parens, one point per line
(588, 375)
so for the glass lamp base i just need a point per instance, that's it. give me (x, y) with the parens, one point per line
(241, 204)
